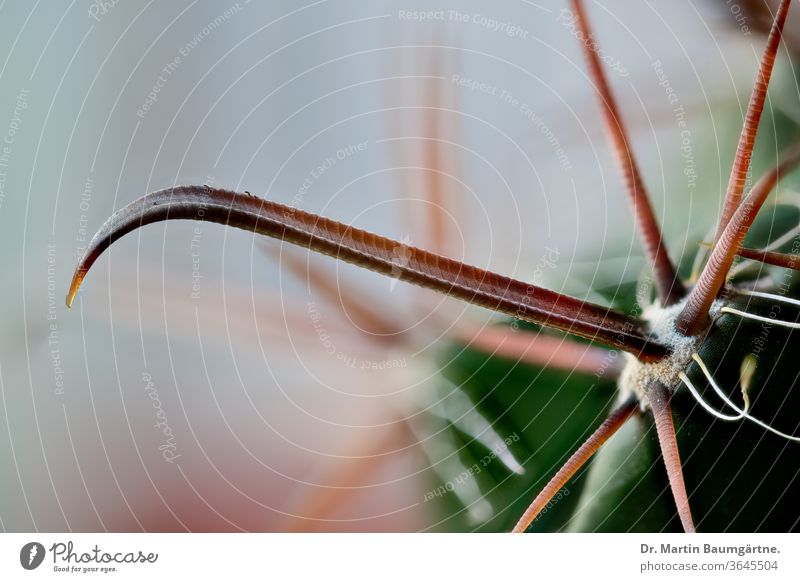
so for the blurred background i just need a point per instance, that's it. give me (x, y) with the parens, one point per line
(206, 380)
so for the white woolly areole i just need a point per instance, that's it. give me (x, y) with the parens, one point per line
(637, 376)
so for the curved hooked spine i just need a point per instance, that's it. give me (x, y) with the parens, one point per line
(471, 284)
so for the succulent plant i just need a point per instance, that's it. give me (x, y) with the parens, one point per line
(708, 363)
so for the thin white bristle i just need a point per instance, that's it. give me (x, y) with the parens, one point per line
(772, 296)
(742, 413)
(705, 404)
(744, 314)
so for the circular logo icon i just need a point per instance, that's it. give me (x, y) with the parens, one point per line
(31, 555)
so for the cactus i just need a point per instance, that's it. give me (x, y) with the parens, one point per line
(708, 383)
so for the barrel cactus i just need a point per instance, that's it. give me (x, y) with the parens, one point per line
(700, 432)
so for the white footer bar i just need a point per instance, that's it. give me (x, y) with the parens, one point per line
(406, 557)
